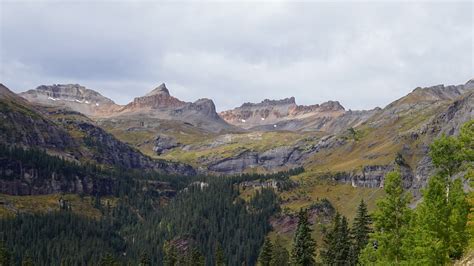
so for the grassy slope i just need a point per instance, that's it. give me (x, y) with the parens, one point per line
(10, 205)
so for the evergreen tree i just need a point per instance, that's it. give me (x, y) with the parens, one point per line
(4, 255)
(303, 244)
(219, 256)
(280, 255)
(266, 252)
(343, 247)
(108, 260)
(196, 258)
(27, 261)
(145, 260)
(361, 229)
(328, 252)
(390, 222)
(170, 254)
(337, 243)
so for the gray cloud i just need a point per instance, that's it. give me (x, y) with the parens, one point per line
(362, 54)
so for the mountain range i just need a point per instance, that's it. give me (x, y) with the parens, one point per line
(158, 131)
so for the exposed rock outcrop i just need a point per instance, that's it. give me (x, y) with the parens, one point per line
(272, 160)
(164, 143)
(281, 114)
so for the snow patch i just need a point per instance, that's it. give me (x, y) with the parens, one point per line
(243, 121)
(263, 119)
(53, 99)
(274, 125)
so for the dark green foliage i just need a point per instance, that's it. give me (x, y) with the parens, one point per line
(266, 253)
(108, 260)
(196, 258)
(337, 243)
(27, 261)
(48, 238)
(280, 256)
(5, 257)
(304, 246)
(137, 225)
(145, 260)
(361, 228)
(219, 256)
(19, 159)
(170, 254)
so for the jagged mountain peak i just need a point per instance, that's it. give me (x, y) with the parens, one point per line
(160, 90)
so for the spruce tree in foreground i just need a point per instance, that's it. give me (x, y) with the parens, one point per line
(266, 253)
(303, 244)
(361, 228)
(337, 243)
(280, 254)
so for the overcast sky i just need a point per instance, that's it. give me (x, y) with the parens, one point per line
(361, 54)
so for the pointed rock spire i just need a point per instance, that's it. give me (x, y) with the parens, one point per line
(159, 90)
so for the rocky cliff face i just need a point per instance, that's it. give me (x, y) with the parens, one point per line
(281, 114)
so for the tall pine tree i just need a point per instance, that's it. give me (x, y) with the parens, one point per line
(303, 244)
(361, 228)
(280, 254)
(337, 243)
(266, 253)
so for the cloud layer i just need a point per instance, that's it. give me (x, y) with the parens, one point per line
(362, 54)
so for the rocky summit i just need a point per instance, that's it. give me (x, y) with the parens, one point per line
(73, 96)
(270, 115)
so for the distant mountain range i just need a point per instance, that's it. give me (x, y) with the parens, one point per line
(158, 131)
